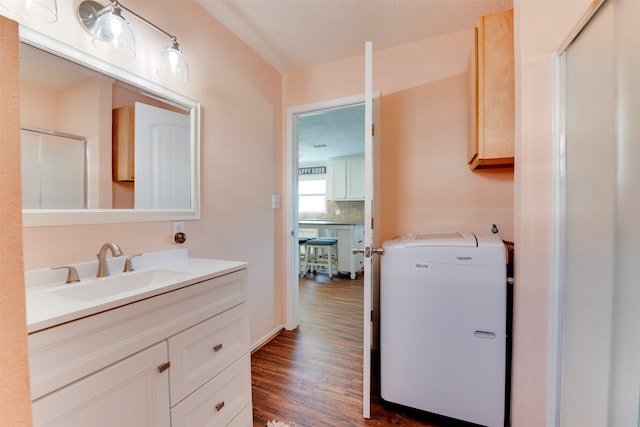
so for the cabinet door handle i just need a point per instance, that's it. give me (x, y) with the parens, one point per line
(219, 406)
(217, 347)
(164, 367)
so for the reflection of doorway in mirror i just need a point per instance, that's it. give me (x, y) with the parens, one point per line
(162, 159)
(53, 170)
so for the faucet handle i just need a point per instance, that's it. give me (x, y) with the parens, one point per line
(72, 273)
(128, 264)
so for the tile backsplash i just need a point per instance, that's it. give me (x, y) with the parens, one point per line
(349, 211)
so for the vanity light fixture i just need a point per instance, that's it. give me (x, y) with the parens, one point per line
(35, 10)
(112, 34)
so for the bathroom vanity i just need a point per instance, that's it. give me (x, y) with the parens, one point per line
(164, 345)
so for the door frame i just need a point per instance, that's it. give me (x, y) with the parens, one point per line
(291, 191)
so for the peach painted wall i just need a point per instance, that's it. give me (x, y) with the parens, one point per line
(540, 28)
(14, 379)
(37, 106)
(241, 98)
(424, 181)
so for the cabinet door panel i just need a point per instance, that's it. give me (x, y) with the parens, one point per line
(355, 179)
(131, 392)
(339, 179)
(491, 115)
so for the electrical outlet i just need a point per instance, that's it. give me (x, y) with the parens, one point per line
(178, 227)
(337, 211)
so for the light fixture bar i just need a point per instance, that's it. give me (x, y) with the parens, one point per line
(143, 19)
(89, 10)
(112, 34)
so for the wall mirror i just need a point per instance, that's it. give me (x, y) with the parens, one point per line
(100, 144)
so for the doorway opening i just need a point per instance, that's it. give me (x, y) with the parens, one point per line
(325, 142)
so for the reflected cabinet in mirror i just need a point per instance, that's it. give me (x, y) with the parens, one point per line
(100, 144)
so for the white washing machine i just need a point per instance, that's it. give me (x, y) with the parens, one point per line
(443, 320)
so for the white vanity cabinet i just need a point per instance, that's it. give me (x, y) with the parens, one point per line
(176, 359)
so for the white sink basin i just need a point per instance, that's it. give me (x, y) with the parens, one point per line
(106, 287)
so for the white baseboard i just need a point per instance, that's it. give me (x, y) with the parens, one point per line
(264, 340)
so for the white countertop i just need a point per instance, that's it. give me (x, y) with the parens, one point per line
(46, 309)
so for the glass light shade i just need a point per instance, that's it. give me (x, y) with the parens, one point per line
(34, 10)
(112, 35)
(41, 10)
(173, 66)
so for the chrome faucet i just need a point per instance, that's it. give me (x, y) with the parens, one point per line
(103, 268)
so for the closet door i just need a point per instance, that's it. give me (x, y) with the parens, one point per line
(601, 320)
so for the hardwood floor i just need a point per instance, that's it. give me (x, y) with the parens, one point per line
(313, 376)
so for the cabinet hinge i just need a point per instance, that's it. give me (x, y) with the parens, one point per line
(372, 223)
(373, 129)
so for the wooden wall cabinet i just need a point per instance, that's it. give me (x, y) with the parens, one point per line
(491, 122)
(123, 143)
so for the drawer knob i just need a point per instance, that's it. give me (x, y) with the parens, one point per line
(219, 406)
(217, 347)
(164, 367)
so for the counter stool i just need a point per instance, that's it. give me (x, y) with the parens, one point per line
(302, 250)
(322, 251)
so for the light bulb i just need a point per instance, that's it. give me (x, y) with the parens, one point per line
(112, 35)
(173, 66)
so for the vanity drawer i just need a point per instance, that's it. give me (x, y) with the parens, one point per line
(243, 419)
(204, 350)
(219, 401)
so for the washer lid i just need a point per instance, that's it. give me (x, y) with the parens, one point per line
(440, 238)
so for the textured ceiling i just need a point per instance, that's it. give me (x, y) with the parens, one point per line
(328, 134)
(296, 34)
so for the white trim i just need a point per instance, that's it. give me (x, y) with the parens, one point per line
(367, 307)
(558, 230)
(582, 22)
(268, 337)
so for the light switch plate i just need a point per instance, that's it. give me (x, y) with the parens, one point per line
(275, 201)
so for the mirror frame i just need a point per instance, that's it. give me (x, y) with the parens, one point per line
(45, 217)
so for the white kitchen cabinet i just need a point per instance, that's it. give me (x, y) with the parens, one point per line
(346, 178)
(350, 237)
(107, 369)
(132, 392)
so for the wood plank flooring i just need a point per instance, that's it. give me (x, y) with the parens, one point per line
(313, 376)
